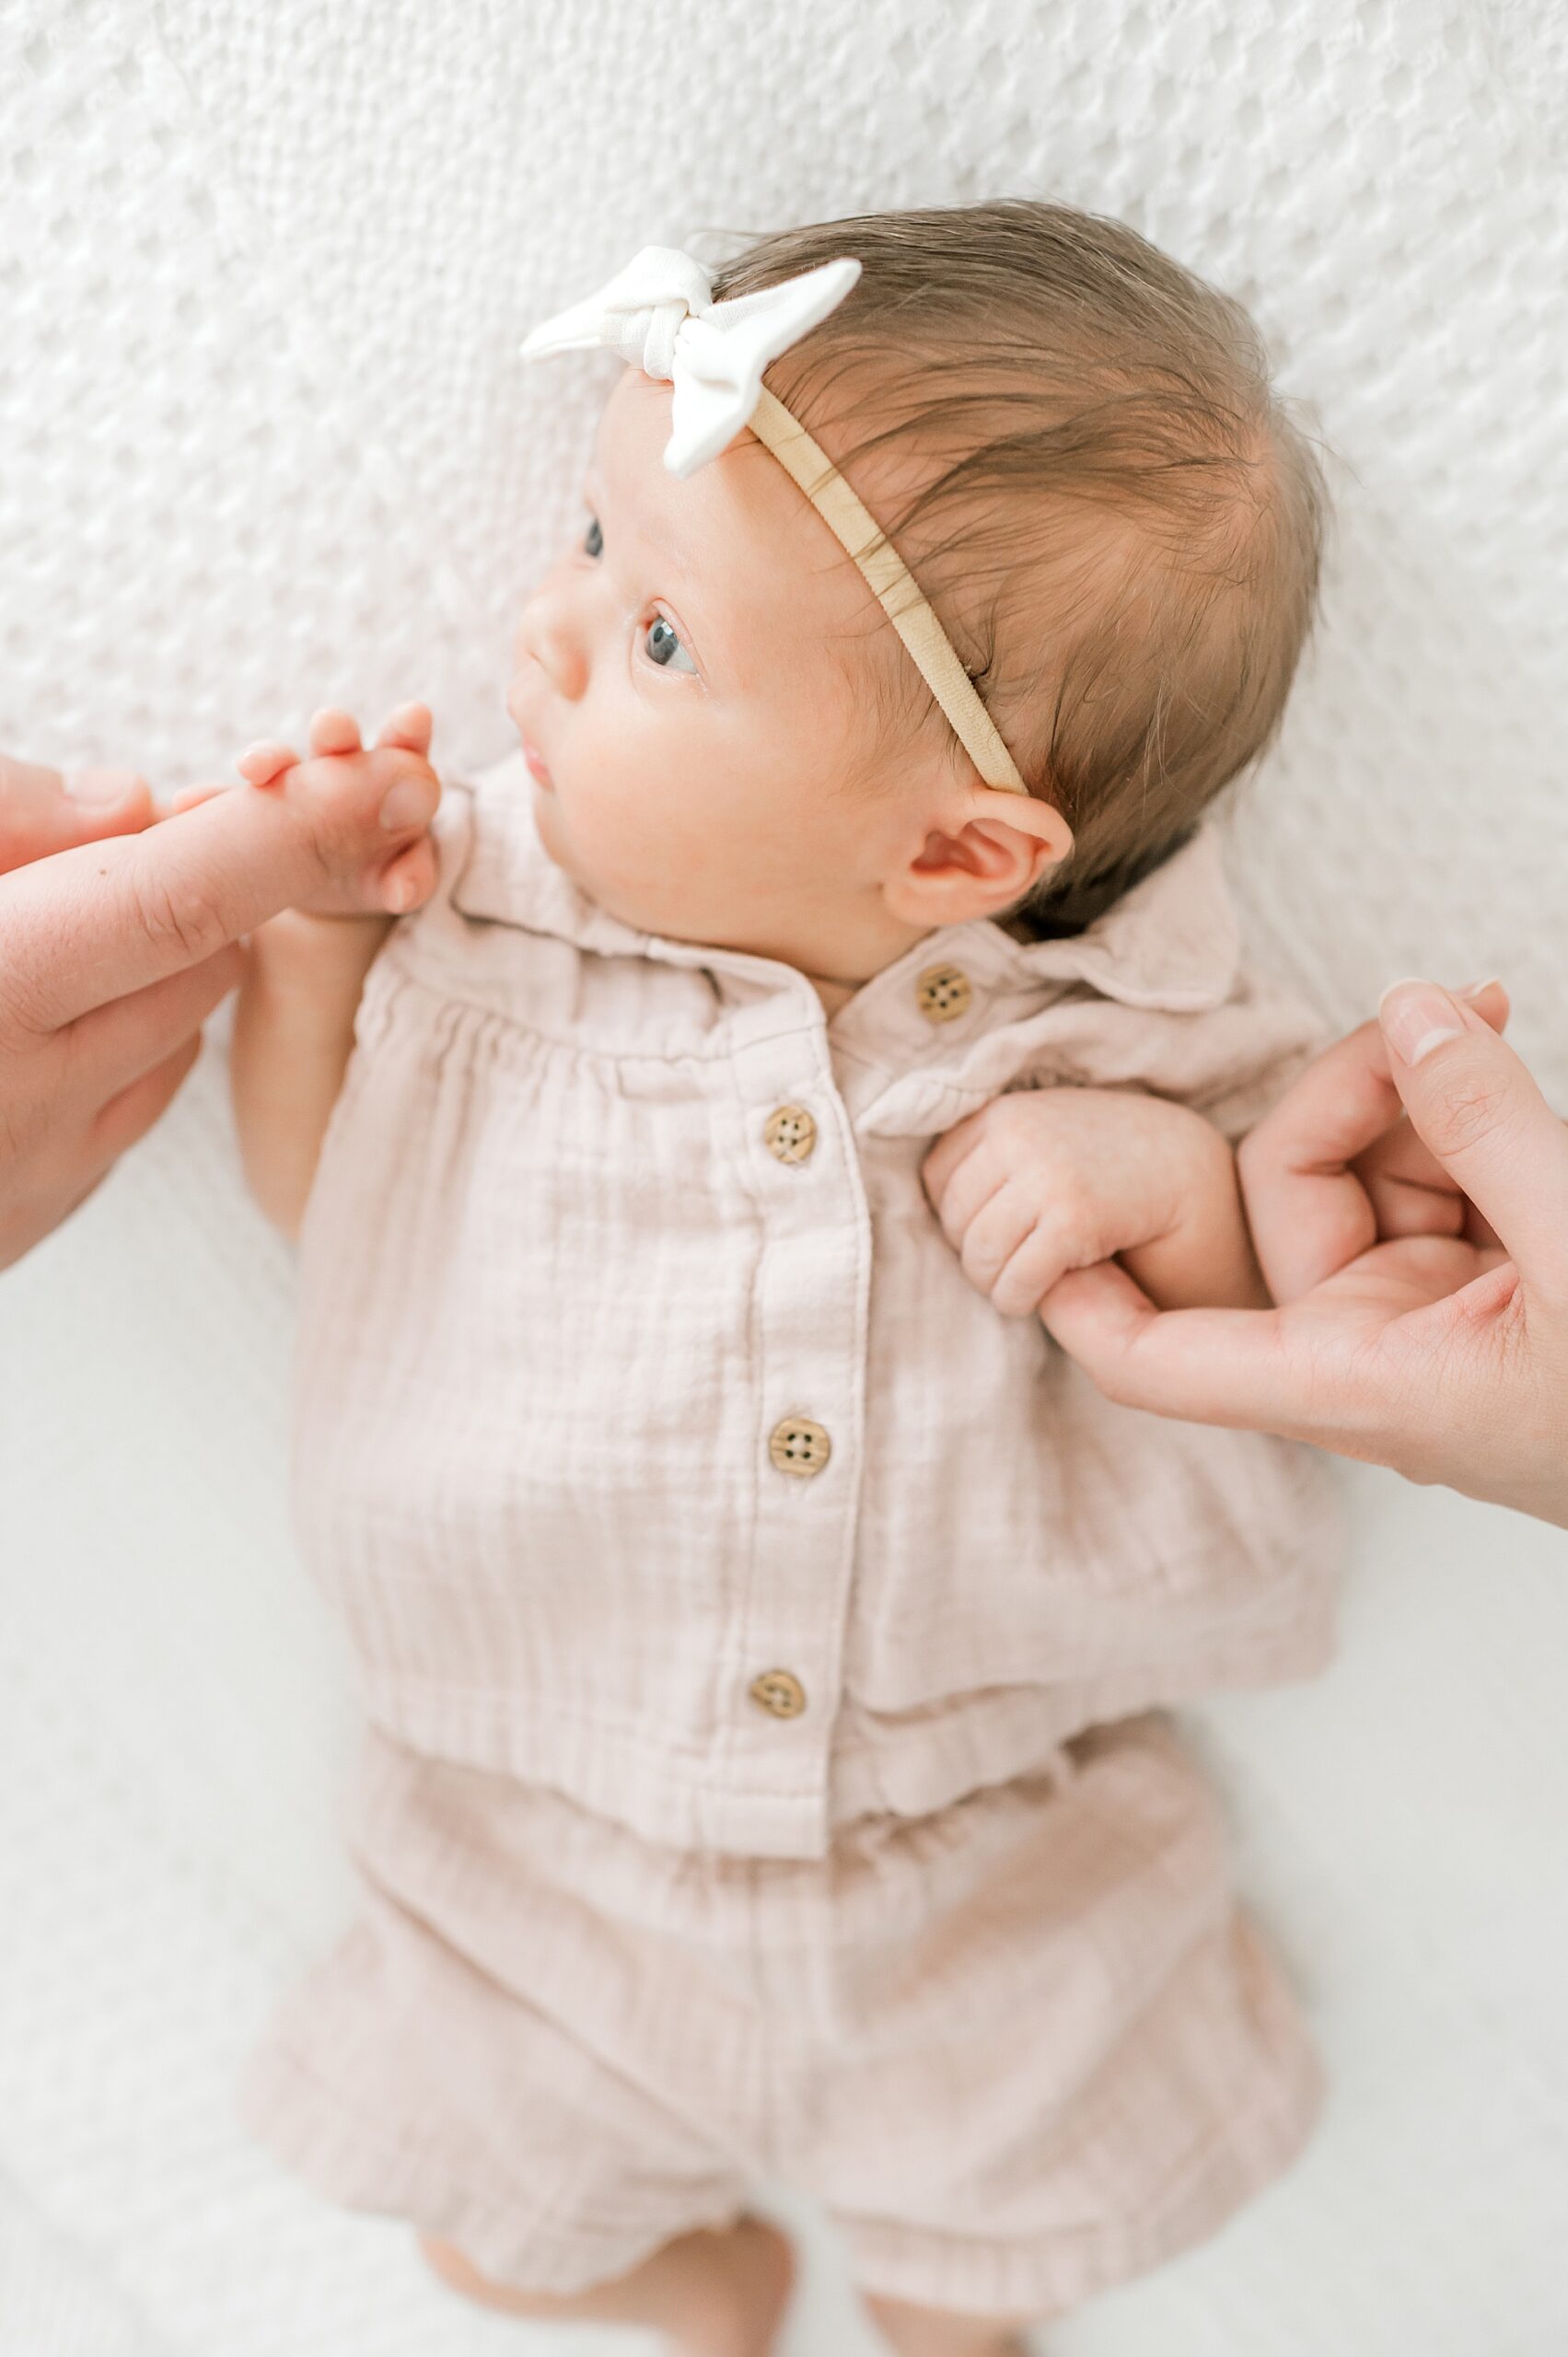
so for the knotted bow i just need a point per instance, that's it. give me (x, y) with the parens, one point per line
(659, 314)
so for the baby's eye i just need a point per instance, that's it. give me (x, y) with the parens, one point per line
(593, 538)
(664, 646)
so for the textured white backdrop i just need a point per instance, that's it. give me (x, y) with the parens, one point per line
(263, 443)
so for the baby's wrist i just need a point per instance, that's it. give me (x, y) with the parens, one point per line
(1205, 1258)
(318, 948)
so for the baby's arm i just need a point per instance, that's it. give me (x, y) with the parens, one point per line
(293, 1033)
(293, 1024)
(1042, 1182)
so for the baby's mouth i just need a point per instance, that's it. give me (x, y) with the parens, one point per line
(536, 768)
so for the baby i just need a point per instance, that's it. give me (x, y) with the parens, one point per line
(765, 1630)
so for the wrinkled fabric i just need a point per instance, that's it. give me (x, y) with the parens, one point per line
(1019, 2051)
(557, 1295)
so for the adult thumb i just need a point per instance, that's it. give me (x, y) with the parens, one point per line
(1477, 1107)
(42, 812)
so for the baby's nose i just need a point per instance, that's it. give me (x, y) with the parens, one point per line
(558, 651)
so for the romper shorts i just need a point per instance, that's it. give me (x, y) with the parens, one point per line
(1021, 2050)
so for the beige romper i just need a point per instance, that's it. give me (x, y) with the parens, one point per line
(762, 1640)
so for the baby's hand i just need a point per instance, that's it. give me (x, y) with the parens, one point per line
(340, 777)
(1043, 1181)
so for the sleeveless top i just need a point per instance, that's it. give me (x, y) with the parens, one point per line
(650, 1440)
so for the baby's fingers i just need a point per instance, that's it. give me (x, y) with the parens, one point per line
(410, 879)
(951, 1148)
(1039, 1263)
(974, 1176)
(264, 763)
(994, 1237)
(410, 726)
(334, 731)
(190, 797)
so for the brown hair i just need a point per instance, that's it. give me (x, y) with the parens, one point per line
(1131, 570)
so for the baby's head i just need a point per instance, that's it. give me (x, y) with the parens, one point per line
(1073, 445)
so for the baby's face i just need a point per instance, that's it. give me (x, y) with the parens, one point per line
(692, 694)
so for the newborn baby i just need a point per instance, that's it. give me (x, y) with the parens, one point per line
(764, 1629)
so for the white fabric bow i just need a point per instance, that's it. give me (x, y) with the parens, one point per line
(658, 314)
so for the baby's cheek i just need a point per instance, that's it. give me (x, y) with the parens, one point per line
(604, 829)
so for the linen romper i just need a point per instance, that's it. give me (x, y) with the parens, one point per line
(764, 1641)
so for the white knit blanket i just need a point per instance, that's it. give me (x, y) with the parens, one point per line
(264, 443)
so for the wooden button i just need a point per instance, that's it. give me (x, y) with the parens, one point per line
(791, 1132)
(798, 1445)
(943, 992)
(780, 1692)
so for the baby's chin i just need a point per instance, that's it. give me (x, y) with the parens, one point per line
(553, 836)
(605, 892)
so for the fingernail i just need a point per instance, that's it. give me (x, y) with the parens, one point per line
(100, 785)
(1479, 990)
(409, 803)
(1417, 1017)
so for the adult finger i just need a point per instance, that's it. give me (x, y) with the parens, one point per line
(24, 777)
(1411, 1191)
(100, 921)
(1308, 1208)
(1476, 1104)
(42, 812)
(1210, 1366)
(116, 1044)
(132, 1112)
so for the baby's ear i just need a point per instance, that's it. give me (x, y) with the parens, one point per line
(1005, 844)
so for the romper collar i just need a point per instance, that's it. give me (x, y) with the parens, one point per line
(1171, 944)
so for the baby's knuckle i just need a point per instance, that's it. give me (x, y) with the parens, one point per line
(1015, 1295)
(979, 1264)
(1011, 1116)
(1068, 1200)
(1065, 1221)
(953, 1143)
(954, 1226)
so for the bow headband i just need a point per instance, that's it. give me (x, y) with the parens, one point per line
(659, 314)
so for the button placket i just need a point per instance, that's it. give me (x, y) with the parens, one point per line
(785, 1643)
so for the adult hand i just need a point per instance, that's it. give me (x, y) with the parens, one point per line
(42, 810)
(113, 952)
(1444, 1354)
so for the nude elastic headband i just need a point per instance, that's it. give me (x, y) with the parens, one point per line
(659, 314)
